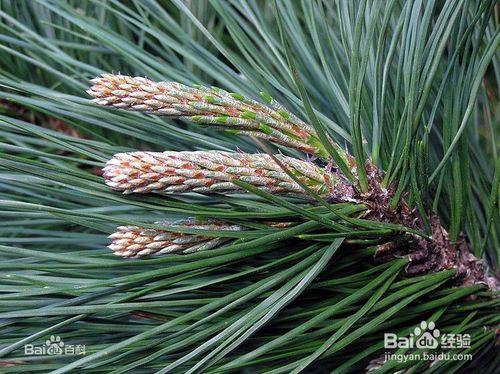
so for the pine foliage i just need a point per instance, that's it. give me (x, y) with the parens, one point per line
(278, 279)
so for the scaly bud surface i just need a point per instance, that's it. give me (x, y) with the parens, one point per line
(210, 106)
(212, 171)
(133, 241)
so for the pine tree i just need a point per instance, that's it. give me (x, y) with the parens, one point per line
(282, 183)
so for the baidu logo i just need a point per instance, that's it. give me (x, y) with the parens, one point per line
(54, 346)
(426, 336)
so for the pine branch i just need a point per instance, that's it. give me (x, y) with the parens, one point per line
(214, 171)
(404, 82)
